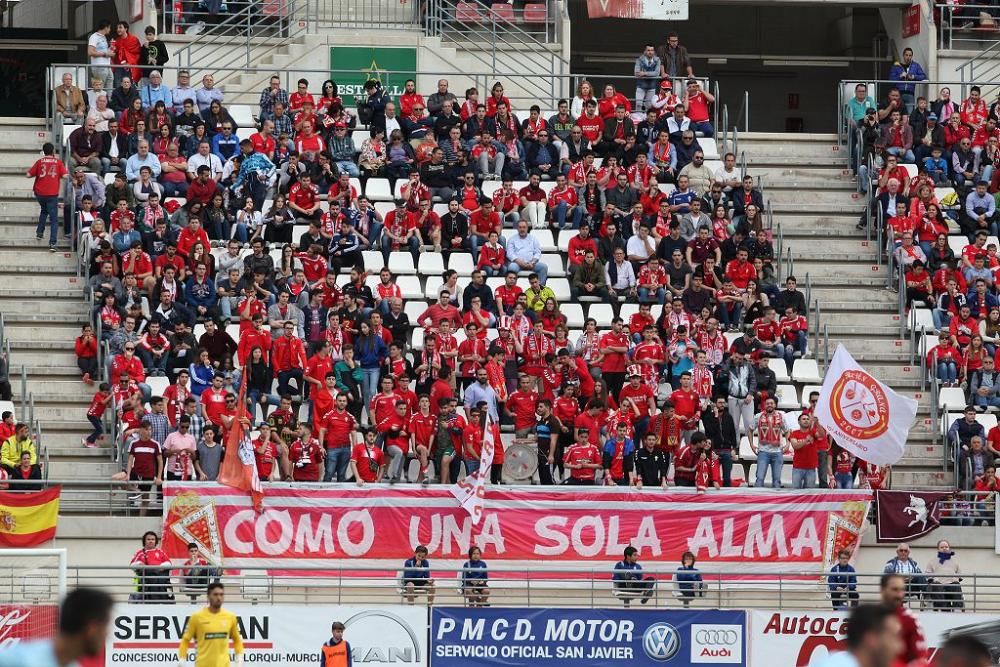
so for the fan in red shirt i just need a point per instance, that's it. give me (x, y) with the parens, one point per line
(368, 460)
(303, 198)
(48, 172)
(614, 347)
(583, 459)
(740, 270)
(687, 403)
(265, 453)
(590, 123)
(306, 456)
(520, 406)
(642, 396)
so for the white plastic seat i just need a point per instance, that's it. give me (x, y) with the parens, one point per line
(373, 260)
(779, 368)
(417, 339)
(431, 288)
(8, 406)
(490, 187)
(401, 263)
(737, 477)
(807, 371)
(397, 192)
(951, 398)
(377, 189)
(920, 318)
(383, 207)
(957, 244)
(746, 452)
(157, 385)
(573, 313)
(602, 312)
(545, 240)
(731, 336)
(547, 186)
(234, 332)
(462, 263)
(787, 397)
(410, 287)
(430, 263)
(988, 420)
(414, 309)
(555, 264)
(565, 236)
(559, 287)
(627, 310)
(242, 114)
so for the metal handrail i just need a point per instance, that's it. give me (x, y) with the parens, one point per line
(902, 301)
(932, 378)
(743, 163)
(24, 391)
(808, 293)
(818, 315)
(744, 111)
(923, 357)
(826, 347)
(725, 129)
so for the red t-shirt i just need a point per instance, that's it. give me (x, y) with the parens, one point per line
(98, 405)
(592, 424)
(686, 404)
(367, 460)
(613, 362)
(48, 172)
(306, 458)
(265, 461)
(579, 454)
(522, 404)
(146, 452)
(804, 458)
(639, 396)
(339, 426)
(213, 402)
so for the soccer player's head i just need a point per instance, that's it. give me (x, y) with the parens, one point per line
(216, 595)
(84, 620)
(337, 630)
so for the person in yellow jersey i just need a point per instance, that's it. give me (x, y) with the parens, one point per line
(211, 629)
(336, 651)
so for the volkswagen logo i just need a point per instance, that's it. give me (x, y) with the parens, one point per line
(661, 642)
(726, 637)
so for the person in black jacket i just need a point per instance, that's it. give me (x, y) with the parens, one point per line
(454, 229)
(371, 111)
(397, 321)
(744, 197)
(542, 157)
(122, 96)
(114, 137)
(790, 296)
(650, 464)
(767, 383)
(721, 431)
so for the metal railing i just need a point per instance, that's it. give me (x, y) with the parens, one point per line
(962, 26)
(530, 586)
(744, 112)
(367, 14)
(452, 20)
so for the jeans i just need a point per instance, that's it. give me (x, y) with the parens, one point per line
(336, 464)
(947, 371)
(539, 268)
(803, 478)
(772, 460)
(349, 167)
(740, 410)
(986, 401)
(471, 466)
(412, 244)
(729, 314)
(559, 215)
(942, 318)
(644, 98)
(240, 232)
(98, 428)
(845, 480)
(285, 376)
(704, 127)
(153, 363)
(904, 154)
(369, 383)
(48, 206)
(647, 295)
(799, 345)
(172, 189)
(726, 463)
(484, 165)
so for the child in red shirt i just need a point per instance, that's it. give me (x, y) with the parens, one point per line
(98, 405)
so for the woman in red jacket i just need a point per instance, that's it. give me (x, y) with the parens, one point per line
(86, 353)
(943, 360)
(496, 97)
(612, 98)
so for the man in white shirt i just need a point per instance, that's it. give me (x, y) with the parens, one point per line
(100, 53)
(640, 247)
(205, 156)
(727, 176)
(391, 122)
(619, 276)
(143, 158)
(873, 638)
(525, 254)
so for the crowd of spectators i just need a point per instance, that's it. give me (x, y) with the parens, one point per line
(191, 301)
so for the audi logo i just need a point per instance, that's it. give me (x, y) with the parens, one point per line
(726, 637)
(661, 642)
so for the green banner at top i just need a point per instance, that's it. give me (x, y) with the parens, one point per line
(351, 66)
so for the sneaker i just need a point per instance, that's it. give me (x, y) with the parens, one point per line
(52, 248)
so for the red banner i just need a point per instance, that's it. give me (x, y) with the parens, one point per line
(736, 530)
(906, 515)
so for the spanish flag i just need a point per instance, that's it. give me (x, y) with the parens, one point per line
(28, 519)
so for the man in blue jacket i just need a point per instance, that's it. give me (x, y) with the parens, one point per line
(907, 72)
(629, 580)
(201, 294)
(843, 583)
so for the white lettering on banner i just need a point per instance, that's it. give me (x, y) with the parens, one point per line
(589, 537)
(560, 630)
(755, 542)
(450, 538)
(8, 622)
(297, 534)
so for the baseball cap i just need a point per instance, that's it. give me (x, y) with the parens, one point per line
(666, 84)
(339, 125)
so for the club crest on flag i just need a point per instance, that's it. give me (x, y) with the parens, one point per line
(863, 415)
(859, 406)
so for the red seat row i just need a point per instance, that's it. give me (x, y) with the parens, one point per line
(471, 12)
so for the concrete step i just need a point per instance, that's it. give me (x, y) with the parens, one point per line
(45, 385)
(796, 223)
(21, 209)
(14, 308)
(45, 332)
(903, 478)
(819, 176)
(802, 206)
(847, 295)
(889, 348)
(44, 359)
(54, 282)
(802, 246)
(37, 257)
(815, 199)
(818, 148)
(819, 268)
(62, 469)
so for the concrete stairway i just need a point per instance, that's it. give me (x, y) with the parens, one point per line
(43, 306)
(813, 198)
